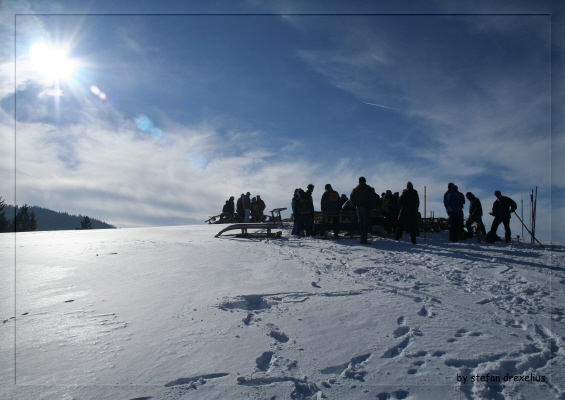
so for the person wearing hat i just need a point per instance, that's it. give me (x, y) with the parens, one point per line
(362, 198)
(331, 203)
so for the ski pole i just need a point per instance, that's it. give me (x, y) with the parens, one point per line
(528, 230)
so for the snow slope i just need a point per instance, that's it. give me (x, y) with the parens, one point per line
(174, 313)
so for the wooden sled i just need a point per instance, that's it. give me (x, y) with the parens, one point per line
(245, 226)
(276, 216)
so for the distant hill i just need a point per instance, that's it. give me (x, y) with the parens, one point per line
(49, 220)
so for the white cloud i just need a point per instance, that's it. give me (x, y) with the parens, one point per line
(488, 117)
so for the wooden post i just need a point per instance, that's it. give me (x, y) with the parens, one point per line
(425, 229)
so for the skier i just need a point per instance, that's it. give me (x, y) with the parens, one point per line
(502, 209)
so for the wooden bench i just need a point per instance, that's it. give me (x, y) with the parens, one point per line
(244, 230)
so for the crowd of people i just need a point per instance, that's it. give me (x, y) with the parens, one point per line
(389, 214)
(502, 210)
(246, 209)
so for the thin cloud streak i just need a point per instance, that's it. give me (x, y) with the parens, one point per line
(378, 105)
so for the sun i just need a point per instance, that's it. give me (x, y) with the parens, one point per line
(51, 62)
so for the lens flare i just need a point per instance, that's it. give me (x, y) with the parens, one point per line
(144, 124)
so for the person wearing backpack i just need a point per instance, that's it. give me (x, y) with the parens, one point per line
(331, 203)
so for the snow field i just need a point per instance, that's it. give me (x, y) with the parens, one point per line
(173, 313)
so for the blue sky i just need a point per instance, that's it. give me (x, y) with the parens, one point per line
(164, 114)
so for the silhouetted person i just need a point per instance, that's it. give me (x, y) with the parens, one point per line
(502, 209)
(331, 203)
(239, 209)
(475, 214)
(247, 206)
(363, 200)
(408, 216)
(453, 209)
(309, 215)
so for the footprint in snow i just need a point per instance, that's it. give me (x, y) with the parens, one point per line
(401, 331)
(464, 333)
(264, 360)
(279, 336)
(424, 312)
(399, 394)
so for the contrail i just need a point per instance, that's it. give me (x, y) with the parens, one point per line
(378, 105)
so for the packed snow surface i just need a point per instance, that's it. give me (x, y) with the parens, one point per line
(174, 313)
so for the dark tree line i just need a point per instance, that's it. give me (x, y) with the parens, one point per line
(4, 223)
(25, 220)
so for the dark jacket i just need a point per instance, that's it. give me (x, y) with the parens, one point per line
(461, 199)
(294, 203)
(504, 207)
(229, 207)
(362, 196)
(409, 203)
(330, 201)
(308, 197)
(262, 205)
(475, 208)
(451, 201)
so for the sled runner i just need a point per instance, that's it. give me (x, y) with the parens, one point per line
(244, 230)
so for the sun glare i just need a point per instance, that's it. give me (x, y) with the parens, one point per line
(51, 62)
